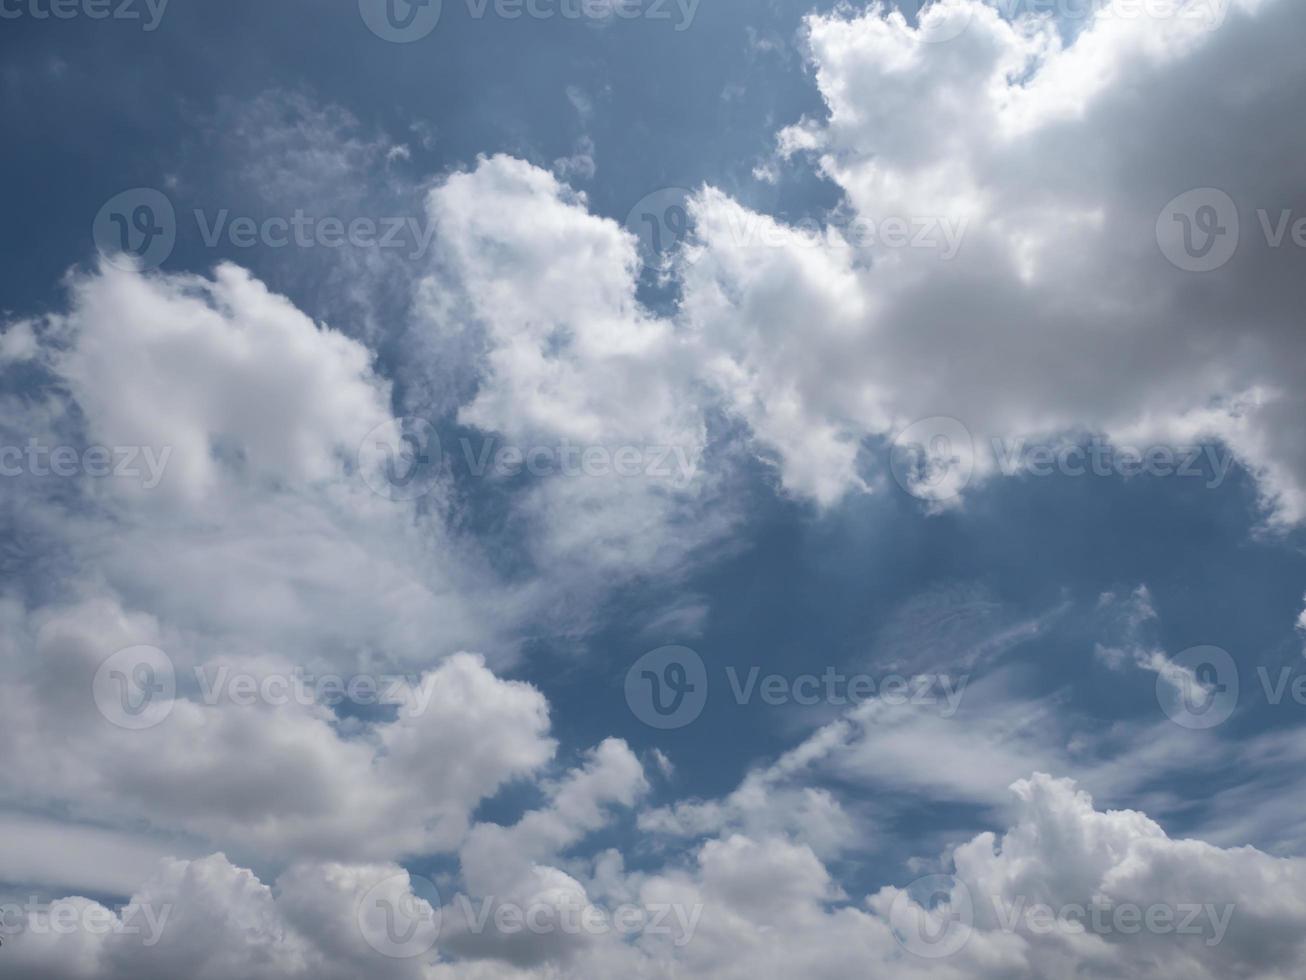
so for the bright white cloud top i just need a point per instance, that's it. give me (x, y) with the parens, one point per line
(1014, 184)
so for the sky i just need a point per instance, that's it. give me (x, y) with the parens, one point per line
(524, 489)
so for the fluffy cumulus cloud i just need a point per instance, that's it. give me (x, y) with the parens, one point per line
(594, 393)
(211, 435)
(996, 259)
(1066, 889)
(1002, 255)
(263, 778)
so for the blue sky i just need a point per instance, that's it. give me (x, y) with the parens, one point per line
(965, 364)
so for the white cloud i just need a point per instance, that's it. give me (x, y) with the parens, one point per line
(246, 525)
(1058, 312)
(769, 908)
(261, 550)
(268, 781)
(154, 361)
(570, 362)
